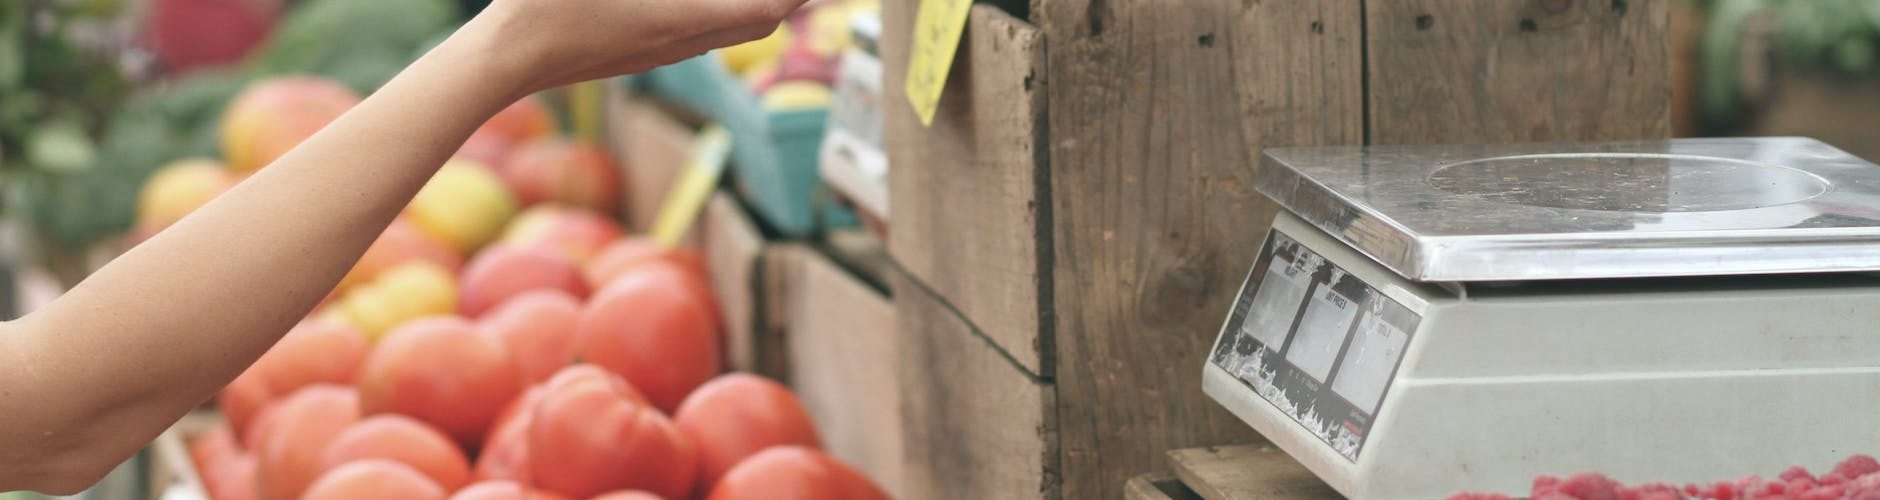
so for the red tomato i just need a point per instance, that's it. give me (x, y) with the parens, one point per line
(626, 254)
(401, 439)
(794, 473)
(505, 454)
(600, 440)
(301, 428)
(374, 479)
(628, 495)
(231, 478)
(504, 272)
(503, 490)
(242, 402)
(439, 370)
(209, 447)
(538, 329)
(649, 329)
(314, 352)
(737, 415)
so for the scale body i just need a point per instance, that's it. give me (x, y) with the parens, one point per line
(1422, 321)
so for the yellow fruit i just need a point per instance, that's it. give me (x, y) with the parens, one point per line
(369, 310)
(420, 289)
(796, 94)
(744, 56)
(178, 189)
(402, 294)
(464, 205)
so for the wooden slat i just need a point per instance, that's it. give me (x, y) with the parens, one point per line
(977, 426)
(1157, 487)
(652, 147)
(1156, 113)
(844, 364)
(731, 245)
(1510, 71)
(1247, 473)
(972, 173)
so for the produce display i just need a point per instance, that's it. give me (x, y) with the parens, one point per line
(795, 67)
(504, 338)
(1856, 478)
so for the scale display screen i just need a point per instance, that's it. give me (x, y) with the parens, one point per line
(1316, 342)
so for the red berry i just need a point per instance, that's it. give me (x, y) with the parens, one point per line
(1797, 472)
(1479, 496)
(1857, 466)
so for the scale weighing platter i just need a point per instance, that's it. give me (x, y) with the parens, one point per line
(1516, 212)
(1363, 345)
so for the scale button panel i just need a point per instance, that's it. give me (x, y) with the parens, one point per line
(1316, 342)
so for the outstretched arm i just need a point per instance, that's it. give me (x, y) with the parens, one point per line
(94, 376)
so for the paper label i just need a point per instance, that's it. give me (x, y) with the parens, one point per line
(937, 29)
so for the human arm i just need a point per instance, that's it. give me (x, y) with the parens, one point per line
(94, 376)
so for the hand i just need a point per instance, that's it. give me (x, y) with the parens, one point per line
(551, 43)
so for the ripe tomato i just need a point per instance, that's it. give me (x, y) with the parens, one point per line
(503, 490)
(601, 441)
(441, 371)
(737, 415)
(794, 473)
(538, 328)
(299, 431)
(374, 479)
(401, 439)
(649, 329)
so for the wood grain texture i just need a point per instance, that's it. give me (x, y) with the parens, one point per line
(1156, 113)
(844, 364)
(1157, 487)
(1446, 71)
(1247, 473)
(731, 246)
(975, 425)
(972, 173)
(651, 148)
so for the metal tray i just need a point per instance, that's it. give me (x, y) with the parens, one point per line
(1519, 212)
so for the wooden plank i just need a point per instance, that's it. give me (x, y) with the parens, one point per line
(976, 425)
(1246, 473)
(1157, 110)
(844, 364)
(972, 172)
(652, 147)
(1157, 487)
(731, 246)
(1510, 71)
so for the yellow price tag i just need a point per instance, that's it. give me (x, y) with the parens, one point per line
(937, 30)
(693, 186)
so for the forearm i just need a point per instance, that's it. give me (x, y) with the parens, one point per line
(164, 326)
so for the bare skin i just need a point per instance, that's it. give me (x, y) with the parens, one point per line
(93, 377)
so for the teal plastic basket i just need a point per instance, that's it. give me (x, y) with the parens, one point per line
(773, 153)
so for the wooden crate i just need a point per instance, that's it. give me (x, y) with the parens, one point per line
(837, 332)
(652, 146)
(736, 256)
(1083, 207)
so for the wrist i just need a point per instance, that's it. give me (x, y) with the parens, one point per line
(478, 53)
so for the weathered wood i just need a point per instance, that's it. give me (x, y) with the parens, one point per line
(731, 246)
(972, 173)
(844, 365)
(1511, 71)
(1156, 112)
(652, 147)
(976, 425)
(1247, 473)
(1157, 487)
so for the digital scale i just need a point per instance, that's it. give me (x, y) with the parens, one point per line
(1426, 320)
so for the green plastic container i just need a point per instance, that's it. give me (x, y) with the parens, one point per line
(773, 153)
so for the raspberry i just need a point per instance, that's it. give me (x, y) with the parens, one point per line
(1857, 466)
(1544, 484)
(1797, 472)
(1823, 493)
(1479, 496)
(1591, 486)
